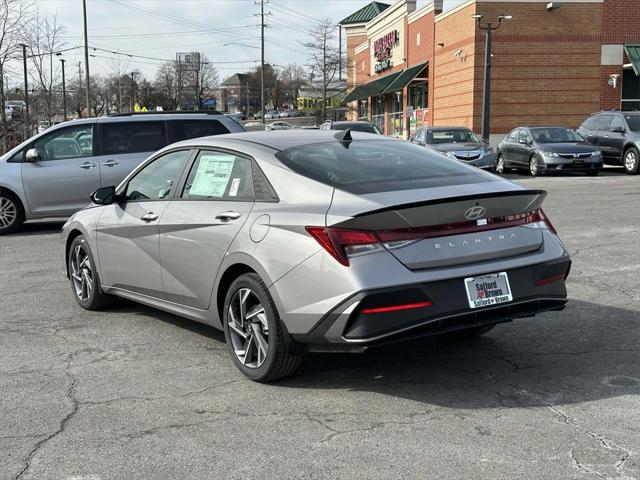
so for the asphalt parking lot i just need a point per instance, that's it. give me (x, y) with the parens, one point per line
(137, 393)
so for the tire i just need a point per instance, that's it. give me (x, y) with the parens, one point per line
(469, 333)
(592, 173)
(84, 279)
(534, 167)
(11, 213)
(249, 316)
(501, 165)
(631, 161)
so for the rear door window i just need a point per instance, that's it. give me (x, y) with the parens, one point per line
(133, 137)
(616, 122)
(604, 121)
(374, 166)
(186, 129)
(219, 176)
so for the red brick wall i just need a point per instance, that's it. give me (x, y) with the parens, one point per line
(423, 52)
(453, 78)
(352, 42)
(362, 74)
(622, 17)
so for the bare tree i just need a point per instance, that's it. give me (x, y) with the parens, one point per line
(205, 81)
(14, 15)
(119, 68)
(166, 85)
(43, 38)
(293, 78)
(324, 57)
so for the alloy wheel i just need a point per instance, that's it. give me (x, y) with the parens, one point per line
(248, 328)
(81, 273)
(533, 166)
(500, 164)
(630, 160)
(8, 212)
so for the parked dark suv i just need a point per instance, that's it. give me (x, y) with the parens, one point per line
(617, 135)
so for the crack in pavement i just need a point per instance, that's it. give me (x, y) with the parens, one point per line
(605, 442)
(63, 423)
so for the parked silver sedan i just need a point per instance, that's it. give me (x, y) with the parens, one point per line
(316, 241)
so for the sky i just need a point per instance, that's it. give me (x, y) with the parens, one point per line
(226, 31)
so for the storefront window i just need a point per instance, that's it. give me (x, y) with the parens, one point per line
(396, 114)
(630, 90)
(363, 110)
(418, 95)
(378, 112)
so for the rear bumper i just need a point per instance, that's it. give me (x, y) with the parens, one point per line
(347, 328)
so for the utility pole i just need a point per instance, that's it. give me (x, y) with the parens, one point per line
(340, 52)
(86, 57)
(247, 100)
(26, 92)
(133, 92)
(64, 92)
(262, 14)
(486, 92)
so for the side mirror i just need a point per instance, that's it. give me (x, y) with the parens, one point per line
(618, 129)
(32, 155)
(104, 196)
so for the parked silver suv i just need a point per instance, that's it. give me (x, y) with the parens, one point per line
(53, 173)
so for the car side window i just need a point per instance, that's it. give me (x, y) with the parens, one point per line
(186, 129)
(132, 137)
(513, 136)
(157, 179)
(73, 142)
(219, 176)
(591, 123)
(523, 136)
(616, 122)
(604, 121)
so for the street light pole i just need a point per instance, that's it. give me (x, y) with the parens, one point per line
(26, 92)
(486, 92)
(262, 60)
(133, 92)
(64, 92)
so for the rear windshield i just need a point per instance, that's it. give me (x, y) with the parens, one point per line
(372, 166)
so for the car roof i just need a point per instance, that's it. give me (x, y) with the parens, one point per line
(444, 128)
(349, 123)
(284, 139)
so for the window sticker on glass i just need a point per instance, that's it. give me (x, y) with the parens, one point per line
(235, 183)
(212, 176)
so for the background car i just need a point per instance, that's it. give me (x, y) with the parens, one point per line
(257, 115)
(458, 143)
(316, 240)
(51, 174)
(291, 113)
(617, 135)
(271, 115)
(277, 126)
(366, 127)
(547, 149)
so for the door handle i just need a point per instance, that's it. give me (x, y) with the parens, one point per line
(149, 217)
(88, 165)
(230, 215)
(111, 163)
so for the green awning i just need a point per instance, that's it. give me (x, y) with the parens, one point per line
(371, 89)
(633, 52)
(404, 78)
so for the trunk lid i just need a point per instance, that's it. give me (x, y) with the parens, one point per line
(445, 226)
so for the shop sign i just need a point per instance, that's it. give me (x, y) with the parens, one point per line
(382, 49)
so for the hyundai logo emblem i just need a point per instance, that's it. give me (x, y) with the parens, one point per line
(474, 213)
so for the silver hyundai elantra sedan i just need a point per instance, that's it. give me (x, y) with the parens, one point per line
(299, 241)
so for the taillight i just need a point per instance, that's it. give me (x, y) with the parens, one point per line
(343, 243)
(545, 219)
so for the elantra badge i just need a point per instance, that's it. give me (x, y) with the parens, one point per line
(474, 213)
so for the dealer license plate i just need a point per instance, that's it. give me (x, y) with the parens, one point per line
(487, 290)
